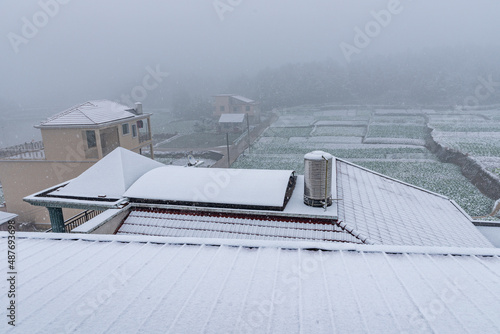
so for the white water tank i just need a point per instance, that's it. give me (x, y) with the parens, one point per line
(318, 167)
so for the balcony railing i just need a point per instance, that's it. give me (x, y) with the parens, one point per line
(144, 137)
(26, 151)
(78, 220)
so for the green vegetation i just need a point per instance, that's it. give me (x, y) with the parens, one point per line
(341, 131)
(396, 131)
(410, 163)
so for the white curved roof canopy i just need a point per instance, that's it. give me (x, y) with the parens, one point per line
(238, 187)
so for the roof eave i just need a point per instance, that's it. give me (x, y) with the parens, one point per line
(93, 126)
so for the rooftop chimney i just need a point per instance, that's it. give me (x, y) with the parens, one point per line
(138, 108)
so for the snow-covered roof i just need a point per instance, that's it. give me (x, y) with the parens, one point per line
(242, 99)
(107, 283)
(110, 177)
(178, 223)
(90, 113)
(232, 118)
(370, 206)
(391, 212)
(238, 97)
(6, 216)
(238, 187)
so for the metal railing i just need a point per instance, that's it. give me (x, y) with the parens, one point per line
(144, 137)
(78, 220)
(32, 150)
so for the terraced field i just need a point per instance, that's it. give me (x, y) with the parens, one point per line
(387, 141)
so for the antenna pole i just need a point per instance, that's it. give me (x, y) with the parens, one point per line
(326, 184)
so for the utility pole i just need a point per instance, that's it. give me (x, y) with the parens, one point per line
(227, 143)
(248, 129)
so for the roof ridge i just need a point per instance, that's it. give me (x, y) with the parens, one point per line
(327, 246)
(352, 231)
(66, 112)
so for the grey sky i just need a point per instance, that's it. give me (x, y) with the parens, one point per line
(92, 48)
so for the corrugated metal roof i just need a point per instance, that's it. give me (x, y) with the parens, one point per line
(175, 223)
(113, 284)
(90, 113)
(232, 118)
(395, 213)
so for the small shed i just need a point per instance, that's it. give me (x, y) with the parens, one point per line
(231, 122)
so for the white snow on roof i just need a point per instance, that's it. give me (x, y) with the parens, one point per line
(5, 217)
(492, 233)
(90, 113)
(110, 176)
(232, 118)
(392, 212)
(252, 187)
(242, 98)
(175, 223)
(129, 285)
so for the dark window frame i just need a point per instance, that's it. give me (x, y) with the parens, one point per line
(91, 138)
(127, 127)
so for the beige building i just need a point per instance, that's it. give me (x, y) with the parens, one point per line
(236, 104)
(72, 141)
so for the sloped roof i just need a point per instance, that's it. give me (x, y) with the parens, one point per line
(232, 118)
(242, 99)
(90, 113)
(101, 284)
(110, 176)
(5, 217)
(391, 212)
(177, 223)
(242, 187)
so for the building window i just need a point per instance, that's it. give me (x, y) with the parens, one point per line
(91, 141)
(134, 130)
(222, 108)
(125, 129)
(247, 108)
(235, 109)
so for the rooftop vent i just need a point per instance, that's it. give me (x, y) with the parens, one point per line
(138, 108)
(318, 179)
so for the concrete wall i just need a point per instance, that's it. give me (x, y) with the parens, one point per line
(21, 178)
(68, 145)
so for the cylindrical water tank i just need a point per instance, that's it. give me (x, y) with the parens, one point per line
(318, 178)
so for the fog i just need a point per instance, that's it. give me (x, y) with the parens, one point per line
(59, 53)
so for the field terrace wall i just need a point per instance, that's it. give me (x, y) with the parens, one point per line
(485, 181)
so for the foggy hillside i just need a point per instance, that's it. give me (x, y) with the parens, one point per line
(57, 53)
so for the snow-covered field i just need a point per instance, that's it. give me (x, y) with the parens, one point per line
(387, 141)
